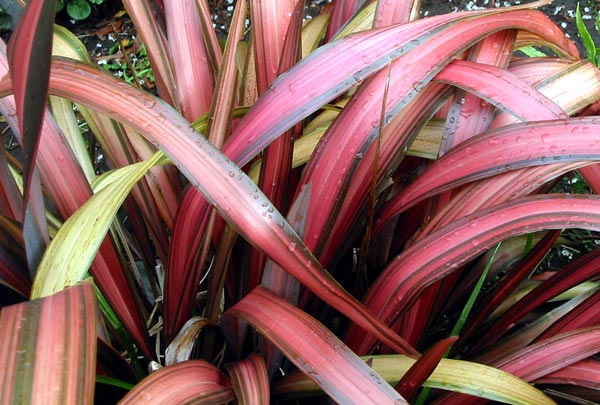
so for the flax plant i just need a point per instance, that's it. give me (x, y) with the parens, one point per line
(303, 211)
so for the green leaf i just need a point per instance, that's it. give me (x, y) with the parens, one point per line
(532, 52)
(588, 42)
(5, 22)
(79, 9)
(115, 382)
(473, 296)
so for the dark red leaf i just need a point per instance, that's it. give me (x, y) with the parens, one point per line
(423, 367)
(29, 53)
(585, 268)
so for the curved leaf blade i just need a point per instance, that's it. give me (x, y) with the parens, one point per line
(455, 375)
(584, 373)
(194, 381)
(428, 260)
(314, 350)
(29, 53)
(68, 192)
(585, 268)
(347, 152)
(85, 230)
(547, 356)
(507, 148)
(501, 88)
(223, 183)
(307, 86)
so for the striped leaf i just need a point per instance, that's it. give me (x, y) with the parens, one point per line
(194, 381)
(47, 345)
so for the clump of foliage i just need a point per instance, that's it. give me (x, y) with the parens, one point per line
(5, 20)
(77, 9)
(352, 207)
(133, 67)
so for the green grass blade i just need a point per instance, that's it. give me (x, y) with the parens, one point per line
(474, 294)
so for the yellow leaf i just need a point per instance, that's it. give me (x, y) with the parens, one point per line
(454, 375)
(71, 252)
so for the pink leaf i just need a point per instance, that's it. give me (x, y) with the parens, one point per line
(68, 192)
(250, 381)
(584, 373)
(501, 88)
(429, 260)
(194, 381)
(223, 183)
(545, 357)
(501, 150)
(193, 73)
(314, 350)
(48, 344)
